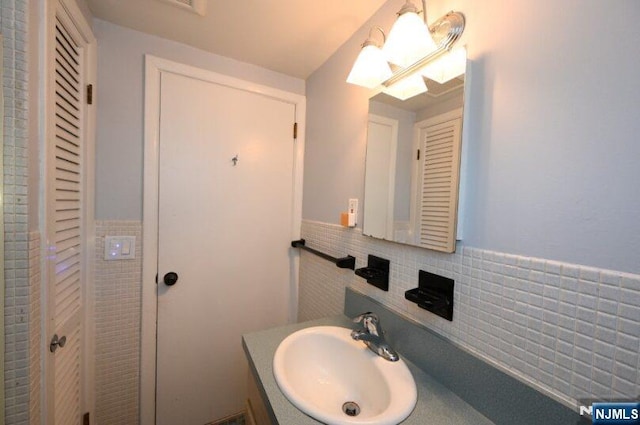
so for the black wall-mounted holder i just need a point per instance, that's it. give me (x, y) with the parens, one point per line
(434, 293)
(376, 272)
(347, 262)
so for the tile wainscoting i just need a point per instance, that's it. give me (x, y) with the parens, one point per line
(14, 26)
(35, 354)
(571, 331)
(118, 301)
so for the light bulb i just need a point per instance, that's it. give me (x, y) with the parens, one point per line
(447, 67)
(409, 39)
(407, 87)
(370, 68)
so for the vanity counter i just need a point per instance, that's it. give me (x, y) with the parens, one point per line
(436, 404)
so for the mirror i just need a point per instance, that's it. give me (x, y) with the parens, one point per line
(413, 165)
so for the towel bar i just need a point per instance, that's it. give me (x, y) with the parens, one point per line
(347, 262)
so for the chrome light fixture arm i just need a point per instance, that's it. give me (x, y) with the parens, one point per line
(371, 41)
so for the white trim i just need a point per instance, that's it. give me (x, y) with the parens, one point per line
(44, 83)
(464, 152)
(154, 67)
(89, 358)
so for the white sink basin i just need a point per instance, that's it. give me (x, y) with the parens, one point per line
(319, 369)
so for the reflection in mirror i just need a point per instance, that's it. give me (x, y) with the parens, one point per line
(413, 164)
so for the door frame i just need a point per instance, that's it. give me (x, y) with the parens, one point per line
(154, 67)
(71, 14)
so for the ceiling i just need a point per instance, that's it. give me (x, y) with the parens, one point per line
(293, 37)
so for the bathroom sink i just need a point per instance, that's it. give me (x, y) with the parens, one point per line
(337, 380)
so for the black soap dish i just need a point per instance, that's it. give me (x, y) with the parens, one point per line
(434, 293)
(376, 273)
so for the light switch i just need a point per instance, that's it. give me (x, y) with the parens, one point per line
(119, 247)
(126, 248)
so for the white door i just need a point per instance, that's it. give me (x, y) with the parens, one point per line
(436, 200)
(68, 213)
(380, 176)
(225, 221)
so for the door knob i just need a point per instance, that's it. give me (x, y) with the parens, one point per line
(170, 278)
(57, 342)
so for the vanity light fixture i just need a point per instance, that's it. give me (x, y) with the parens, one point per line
(408, 87)
(409, 38)
(425, 53)
(371, 66)
(447, 67)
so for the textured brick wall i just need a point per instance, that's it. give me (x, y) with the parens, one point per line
(570, 331)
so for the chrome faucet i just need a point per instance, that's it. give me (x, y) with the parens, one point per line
(371, 334)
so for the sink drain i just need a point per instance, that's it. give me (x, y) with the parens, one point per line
(351, 408)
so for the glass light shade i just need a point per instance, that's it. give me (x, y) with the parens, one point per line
(408, 41)
(370, 68)
(407, 87)
(447, 67)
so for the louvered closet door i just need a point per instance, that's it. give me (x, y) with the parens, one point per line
(438, 193)
(66, 227)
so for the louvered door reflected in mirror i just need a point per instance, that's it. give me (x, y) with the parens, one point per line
(412, 169)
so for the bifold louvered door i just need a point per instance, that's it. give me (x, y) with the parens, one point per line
(65, 227)
(438, 189)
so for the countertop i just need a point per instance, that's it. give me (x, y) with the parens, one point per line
(436, 404)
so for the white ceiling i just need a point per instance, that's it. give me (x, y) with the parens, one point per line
(294, 37)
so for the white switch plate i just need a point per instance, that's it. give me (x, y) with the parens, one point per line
(353, 212)
(119, 248)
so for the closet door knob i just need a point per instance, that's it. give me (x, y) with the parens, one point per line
(170, 278)
(57, 342)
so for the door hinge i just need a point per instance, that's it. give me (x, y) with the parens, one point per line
(418, 155)
(89, 94)
(295, 130)
(85, 419)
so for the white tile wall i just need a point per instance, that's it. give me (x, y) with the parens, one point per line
(34, 328)
(571, 331)
(117, 320)
(14, 27)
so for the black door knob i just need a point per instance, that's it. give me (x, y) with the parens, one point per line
(170, 278)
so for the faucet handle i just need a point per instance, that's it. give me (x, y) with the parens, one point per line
(369, 322)
(364, 316)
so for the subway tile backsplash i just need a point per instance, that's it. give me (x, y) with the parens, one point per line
(571, 331)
